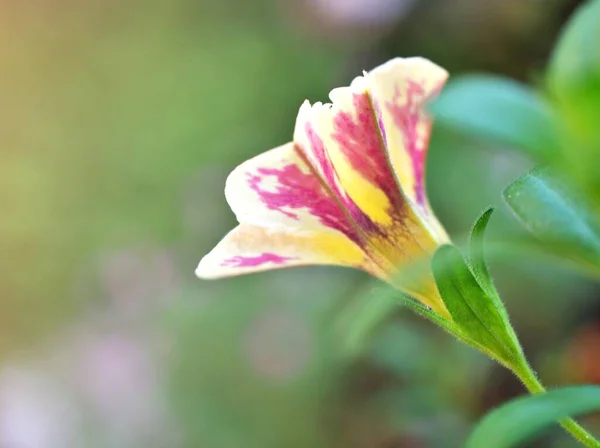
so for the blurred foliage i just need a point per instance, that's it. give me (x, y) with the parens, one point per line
(121, 120)
(111, 111)
(574, 83)
(501, 110)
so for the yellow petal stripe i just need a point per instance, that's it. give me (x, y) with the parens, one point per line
(400, 89)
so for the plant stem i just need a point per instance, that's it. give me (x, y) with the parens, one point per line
(529, 379)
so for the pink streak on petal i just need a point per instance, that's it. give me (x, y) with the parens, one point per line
(362, 143)
(407, 118)
(250, 262)
(296, 190)
(328, 172)
(323, 160)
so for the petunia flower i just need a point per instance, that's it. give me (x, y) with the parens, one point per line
(348, 190)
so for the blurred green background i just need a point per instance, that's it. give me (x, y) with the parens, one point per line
(120, 121)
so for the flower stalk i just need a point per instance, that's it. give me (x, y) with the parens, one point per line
(527, 376)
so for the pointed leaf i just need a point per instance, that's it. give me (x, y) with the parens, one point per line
(479, 266)
(501, 110)
(522, 418)
(473, 310)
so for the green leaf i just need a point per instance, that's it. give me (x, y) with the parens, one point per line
(481, 272)
(501, 110)
(472, 309)
(555, 214)
(575, 64)
(522, 418)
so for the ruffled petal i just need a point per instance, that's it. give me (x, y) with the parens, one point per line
(345, 144)
(373, 162)
(249, 248)
(349, 190)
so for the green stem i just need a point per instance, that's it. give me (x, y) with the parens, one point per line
(525, 373)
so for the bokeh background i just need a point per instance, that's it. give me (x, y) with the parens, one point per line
(120, 121)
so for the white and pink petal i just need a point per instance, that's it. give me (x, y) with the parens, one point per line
(279, 190)
(249, 248)
(349, 190)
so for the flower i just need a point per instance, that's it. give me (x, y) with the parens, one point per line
(348, 190)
